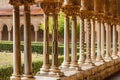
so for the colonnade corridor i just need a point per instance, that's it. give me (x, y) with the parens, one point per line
(99, 55)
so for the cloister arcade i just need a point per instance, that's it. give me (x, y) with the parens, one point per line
(6, 27)
(96, 61)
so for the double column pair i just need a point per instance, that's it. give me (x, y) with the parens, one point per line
(27, 45)
(54, 70)
(86, 22)
(74, 63)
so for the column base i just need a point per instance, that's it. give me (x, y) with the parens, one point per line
(89, 62)
(115, 56)
(54, 71)
(80, 62)
(45, 69)
(65, 65)
(93, 58)
(15, 77)
(100, 59)
(27, 77)
(119, 54)
(107, 59)
(75, 66)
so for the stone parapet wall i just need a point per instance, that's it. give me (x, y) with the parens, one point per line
(99, 72)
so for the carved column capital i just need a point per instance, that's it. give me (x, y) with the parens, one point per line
(71, 10)
(51, 7)
(86, 14)
(28, 2)
(15, 2)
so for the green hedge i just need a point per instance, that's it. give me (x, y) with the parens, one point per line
(6, 71)
(36, 47)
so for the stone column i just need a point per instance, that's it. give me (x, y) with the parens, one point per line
(119, 40)
(0, 35)
(66, 61)
(46, 65)
(9, 36)
(93, 55)
(16, 45)
(102, 38)
(110, 39)
(107, 55)
(114, 54)
(74, 64)
(54, 68)
(82, 40)
(88, 60)
(27, 45)
(99, 56)
(36, 36)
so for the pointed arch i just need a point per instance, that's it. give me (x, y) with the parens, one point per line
(22, 32)
(5, 32)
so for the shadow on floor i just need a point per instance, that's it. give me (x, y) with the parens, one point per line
(116, 76)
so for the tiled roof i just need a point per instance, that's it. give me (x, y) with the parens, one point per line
(8, 11)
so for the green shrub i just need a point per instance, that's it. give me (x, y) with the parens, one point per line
(6, 71)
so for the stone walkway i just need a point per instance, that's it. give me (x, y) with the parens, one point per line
(114, 77)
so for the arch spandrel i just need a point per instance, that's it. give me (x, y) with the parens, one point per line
(113, 8)
(91, 6)
(99, 6)
(118, 8)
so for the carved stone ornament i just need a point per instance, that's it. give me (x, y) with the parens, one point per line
(71, 10)
(15, 2)
(51, 7)
(29, 2)
(86, 14)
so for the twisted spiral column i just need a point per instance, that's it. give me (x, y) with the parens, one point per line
(93, 55)
(82, 33)
(88, 44)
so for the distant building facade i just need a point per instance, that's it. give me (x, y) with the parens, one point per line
(6, 26)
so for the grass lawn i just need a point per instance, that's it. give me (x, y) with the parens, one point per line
(6, 58)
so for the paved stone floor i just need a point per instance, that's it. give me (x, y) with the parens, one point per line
(114, 77)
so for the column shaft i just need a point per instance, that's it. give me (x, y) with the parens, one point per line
(66, 61)
(102, 39)
(93, 55)
(27, 45)
(36, 36)
(107, 55)
(114, 55)
(74, 63)
(55, 41)
(82, 39)
(99, 56)
(16, 45)
(119, 40)
(46, 65)
(88, 44)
